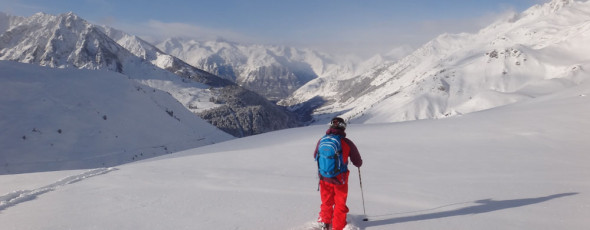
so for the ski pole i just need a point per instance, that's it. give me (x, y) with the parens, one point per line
(362, 195)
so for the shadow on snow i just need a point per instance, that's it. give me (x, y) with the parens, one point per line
(480, 206)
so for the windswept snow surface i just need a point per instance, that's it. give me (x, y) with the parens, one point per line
(56, 119)
(520, 166)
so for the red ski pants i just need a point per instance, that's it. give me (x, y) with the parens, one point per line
(333, 208)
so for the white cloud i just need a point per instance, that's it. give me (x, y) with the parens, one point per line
(154, 30)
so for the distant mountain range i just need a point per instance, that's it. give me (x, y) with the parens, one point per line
(536, 52)
(273, 71)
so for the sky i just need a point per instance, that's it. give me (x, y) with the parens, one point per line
(357, 26)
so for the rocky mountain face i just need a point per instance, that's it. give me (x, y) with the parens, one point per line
(529, 54)
(67, 41)
(60, 42)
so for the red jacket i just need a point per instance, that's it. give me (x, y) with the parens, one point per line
(348, 150)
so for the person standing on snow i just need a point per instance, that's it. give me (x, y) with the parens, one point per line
(334, 190)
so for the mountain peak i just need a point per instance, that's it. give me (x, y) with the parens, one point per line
(556, 5)
(550, 7)
(70, 16)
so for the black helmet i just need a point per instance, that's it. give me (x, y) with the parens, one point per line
(338, 123)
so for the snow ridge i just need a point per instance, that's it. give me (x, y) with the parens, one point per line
(17, 197)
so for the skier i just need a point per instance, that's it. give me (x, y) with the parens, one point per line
(334, 190)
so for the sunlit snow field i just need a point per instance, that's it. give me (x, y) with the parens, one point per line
(522, 166)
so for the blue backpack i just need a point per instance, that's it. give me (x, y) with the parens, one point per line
(329, 156)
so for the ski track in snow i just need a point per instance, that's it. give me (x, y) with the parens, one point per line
(17, 197)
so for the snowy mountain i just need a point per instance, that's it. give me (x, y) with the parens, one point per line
(57, 119)
(148, 52)
(62, 41)
(537, 52)
(521, 166)
(272, 71)
(243, 112)
(67, 41)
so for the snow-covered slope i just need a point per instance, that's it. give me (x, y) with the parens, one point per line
(55, 119)
(540, 51)
(521, 166)
(68, 41)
